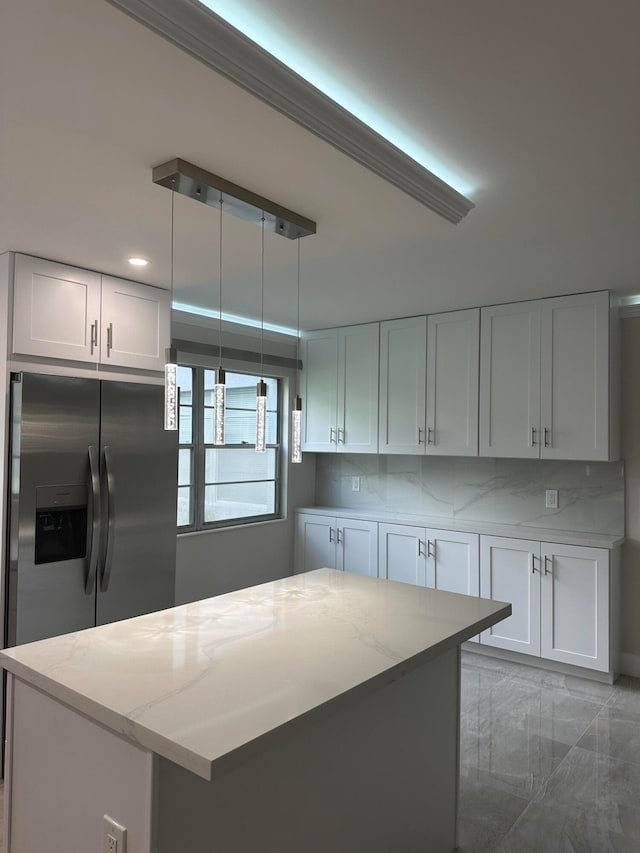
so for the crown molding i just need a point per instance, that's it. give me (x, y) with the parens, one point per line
(208, 37)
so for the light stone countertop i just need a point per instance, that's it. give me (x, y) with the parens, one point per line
(438, 522)
(207, 683)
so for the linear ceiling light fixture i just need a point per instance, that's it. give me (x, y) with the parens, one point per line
(207, 36)
(197, 183)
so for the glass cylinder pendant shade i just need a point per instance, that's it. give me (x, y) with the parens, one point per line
(219, 399)
(261, 417)
(171, 389)
(296, 430)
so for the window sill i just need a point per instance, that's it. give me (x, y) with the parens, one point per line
(227, 527)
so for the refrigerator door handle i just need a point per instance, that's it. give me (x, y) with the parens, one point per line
(111, 521)
(92, 564)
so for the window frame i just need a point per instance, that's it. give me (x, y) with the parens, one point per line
(198, 456)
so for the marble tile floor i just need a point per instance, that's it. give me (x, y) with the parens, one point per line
(548, 763)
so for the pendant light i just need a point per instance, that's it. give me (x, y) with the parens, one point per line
(220, 390)
(296, 414)
(261, 395)
(170, 354)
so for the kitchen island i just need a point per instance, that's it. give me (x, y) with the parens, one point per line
(315, 713)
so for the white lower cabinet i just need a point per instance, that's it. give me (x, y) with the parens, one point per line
(560, 596)
(440, 559)
(510, 571)
(332, 542)
(575, 601)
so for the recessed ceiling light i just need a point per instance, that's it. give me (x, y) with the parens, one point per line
(138, 262)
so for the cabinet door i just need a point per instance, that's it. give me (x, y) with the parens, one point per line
(56, 310)
(510, 380)
(357, 546)
(453, 363)
(575, 377)
(319, 382)
(135, 324)
(575, 605)
(455, 560)
(315, 543)
(510, 571)
(453, 563)
(403, 365)
(358, 370)
(402, 553)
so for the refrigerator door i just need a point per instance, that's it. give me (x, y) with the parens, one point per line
(54, 510)
(139, 462)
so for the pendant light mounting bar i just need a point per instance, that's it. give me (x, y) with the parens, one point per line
(197, 183)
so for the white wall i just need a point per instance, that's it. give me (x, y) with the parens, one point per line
(631, 454)
(218, 561)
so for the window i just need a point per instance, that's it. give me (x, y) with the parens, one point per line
(219, 485)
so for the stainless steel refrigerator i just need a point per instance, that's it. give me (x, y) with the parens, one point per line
(92, 518)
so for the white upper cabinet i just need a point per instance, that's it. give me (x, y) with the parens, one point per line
(135, 324)
(320, 390)
(358, 370)
(62, 312)
(56, 310)
(403, 375)
(546, 378)
(510, 380)
(429, 384)
(575, 377)
(340, 387)
(452, 383)
(575, 605)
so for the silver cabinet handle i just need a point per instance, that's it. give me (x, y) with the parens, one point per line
(111, 521)
(547, 437)
(430, 435)
(109, 338)
(341, 440)
(92, 562)
(94, 335)
(420, 551)
(533, 436)
(331, 435)
(420, 431)
(533, 564)
(547, 570)
(431, 548)
(340, 539)
(331, 534)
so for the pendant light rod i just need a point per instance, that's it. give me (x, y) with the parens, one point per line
(220, 290)
(298, 325)
(261, 389)
(262, 304)
(220, 385)
(171, 356)
(210, 189)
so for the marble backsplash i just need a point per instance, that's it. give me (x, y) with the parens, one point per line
(505, 491)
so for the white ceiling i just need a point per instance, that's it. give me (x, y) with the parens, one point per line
(534, 104)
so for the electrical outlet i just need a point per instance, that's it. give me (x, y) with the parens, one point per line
(551, 501)
(114, 836)
(355, 484)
